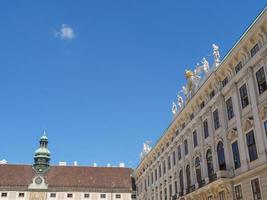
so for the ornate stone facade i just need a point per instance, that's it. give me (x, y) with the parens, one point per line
(216, 145)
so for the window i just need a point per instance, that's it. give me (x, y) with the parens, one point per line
(192, 116)
(169, 162)
(209, 163)
(224, 81)
(188, 176)
(165, 193)
(185, 147)
(212, 94)
(195, 138)
(209, 197)
(183, 125)
(156, 174)
(229, 108)
(265, 127)
(216, 119)
(243, 96)
(21, 194)
(252, 149)
(254, 50)
(118, 196)
(198, 170)
(159, 170)
(202, 105)
(221, 195)
(53, 195)
(164, 167)
(261, 80)
(181, 182)
(206, 128)
(173, 158)
(238, 67)
(175, 187)
(255, 184)
(69, 195)
(221, 157)
(236, 156)
(152, 178)
(238, 192)
(179, 152)
(102, 196)
(86, 196)
(4, 194)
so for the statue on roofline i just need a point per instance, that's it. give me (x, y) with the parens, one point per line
(180, 101)
(146, 149)
(216, 54)
(174, 108)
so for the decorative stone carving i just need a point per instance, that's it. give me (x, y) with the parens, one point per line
(38, 183)
(218, 139)
(263, 112)
(247, 124)
(232, 133)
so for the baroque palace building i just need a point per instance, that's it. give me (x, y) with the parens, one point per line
(41, 181)
(216, 145)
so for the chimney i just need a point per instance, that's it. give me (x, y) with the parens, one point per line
(75, 163)
(61, 163)
(3, 162)
(122, 165)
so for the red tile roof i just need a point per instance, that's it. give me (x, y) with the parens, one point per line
(68, 177)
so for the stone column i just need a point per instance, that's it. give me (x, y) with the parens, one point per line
(183, 167)
(258, 133)
(191, 150)
(203, 162)
(224, 125)
(212, 135)
(241, 139)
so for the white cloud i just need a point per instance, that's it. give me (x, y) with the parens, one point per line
(65, 32)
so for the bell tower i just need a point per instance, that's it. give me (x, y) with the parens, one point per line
(42, 155)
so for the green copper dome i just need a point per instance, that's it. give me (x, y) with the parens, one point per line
(42, 156)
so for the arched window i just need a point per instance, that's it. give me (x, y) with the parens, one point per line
(188, 178)
(209, 163)
(181, 182)
(198, 170)
(221, 157)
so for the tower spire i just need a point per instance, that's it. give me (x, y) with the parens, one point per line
(42, 155)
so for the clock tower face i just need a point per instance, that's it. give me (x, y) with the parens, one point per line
(38, 180)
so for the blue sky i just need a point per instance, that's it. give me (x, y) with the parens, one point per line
(99, 75)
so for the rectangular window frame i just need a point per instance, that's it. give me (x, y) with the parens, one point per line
(206, 128)
(261, 80)
(237, 164)
(238, 67)
(252, 146)
(229, 108)
(252, 189)
(243, 94)
(254, 50)
(185, 147)
(195, 139)
(4, 194)
(239, 195)
(216, 119)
